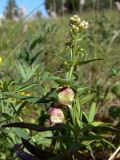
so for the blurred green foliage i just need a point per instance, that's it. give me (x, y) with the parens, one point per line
(33, 52)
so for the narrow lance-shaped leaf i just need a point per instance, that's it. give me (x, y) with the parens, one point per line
(86, 98)
(35, 127)
(85, 62)
(92, 112)
(108, 142)
(100, 126)
(35, 151)
(26, 98)
(25, 87)
(23, 155)
(91, 151)
(21, 106)
(60, 80)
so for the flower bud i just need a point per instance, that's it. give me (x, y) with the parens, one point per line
(75, 28)
(83, 25)
(56, 115)
(65, 96)
(75, 20)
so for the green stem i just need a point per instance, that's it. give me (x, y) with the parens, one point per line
(71, 71)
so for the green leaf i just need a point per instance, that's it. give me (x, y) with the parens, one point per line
(104, 127)
(116, 34)
(73, 149)
(92, 112)
(109, 143)
(6, 116)
(84, 117)
(116, 89)
(110, 129)
(96, 124)
(91, 151)
(20, 132)
(25, 87)
(45, 76)
(25, 98)
(85, 99)
(60, 80)
(88, 61)
(46, 99)
(87, 140)
(27, 72)
(21, 106)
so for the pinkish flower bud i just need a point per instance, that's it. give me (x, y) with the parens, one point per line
(66, 96)
(56, 115)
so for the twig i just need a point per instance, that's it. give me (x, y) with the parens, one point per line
(114, 154)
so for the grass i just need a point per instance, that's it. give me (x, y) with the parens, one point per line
(42, 42)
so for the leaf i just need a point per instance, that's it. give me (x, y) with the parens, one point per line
(114, 111)
(26, 71)
(25, 87)
(91, 151)
(26, 98)
(61, 137)
(5, 86)
(87, 142)
(90, 139)
(35, 127)
(92, 112)
(109, 143)
(21, 69)
(20, 132)
(96, 124)
(86, 98)
(116, 89)
(60, 80)
(88, 61)
(21, 107)
(116, 34)
(7, 116)
(73, 149)
(84, 117)
(110, 129)
(46, 99)
(39, 153)
(104, 127)
(23, 155)
(45, 76)
(36, 41)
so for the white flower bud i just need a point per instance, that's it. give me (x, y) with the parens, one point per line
(56, 115)
(66, 96)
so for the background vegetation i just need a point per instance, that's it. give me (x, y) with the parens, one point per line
(33, 50)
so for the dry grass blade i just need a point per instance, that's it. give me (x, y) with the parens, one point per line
(114, 154)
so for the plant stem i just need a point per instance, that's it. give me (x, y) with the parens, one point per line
(71, 71)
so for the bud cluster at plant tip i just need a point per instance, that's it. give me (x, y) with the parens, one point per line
(77, 25)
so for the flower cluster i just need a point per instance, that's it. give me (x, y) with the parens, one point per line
(77, 25)
(76, 28)
(65, 98)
